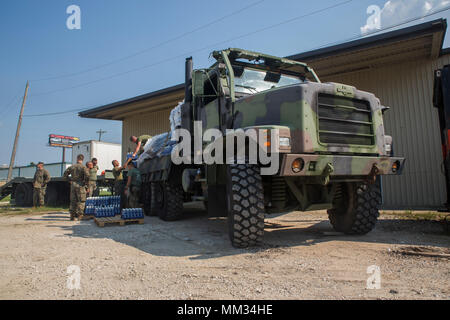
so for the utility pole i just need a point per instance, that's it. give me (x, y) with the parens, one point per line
(19, 123)
(63, 160)
(100, 134)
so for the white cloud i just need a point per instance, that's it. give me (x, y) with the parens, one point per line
(395, 11)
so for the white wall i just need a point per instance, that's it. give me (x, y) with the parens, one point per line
(105, 153)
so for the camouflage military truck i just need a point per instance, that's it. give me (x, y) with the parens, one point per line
(331, 147)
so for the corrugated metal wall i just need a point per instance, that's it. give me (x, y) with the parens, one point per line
(413, 123)
(151, 123)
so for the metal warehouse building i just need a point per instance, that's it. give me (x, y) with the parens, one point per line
(398, 67)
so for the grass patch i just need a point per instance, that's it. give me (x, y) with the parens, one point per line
(417, 215)
(6, 199)
(12, 210)
(105, 193)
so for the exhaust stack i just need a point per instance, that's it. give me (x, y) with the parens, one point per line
(188, 80)
(187, 115)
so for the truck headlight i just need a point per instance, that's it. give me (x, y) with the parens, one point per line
(387, 148)
(285, 142)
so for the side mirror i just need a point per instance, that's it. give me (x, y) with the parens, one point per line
(198, 81)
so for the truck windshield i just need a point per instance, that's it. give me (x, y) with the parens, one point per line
(252, 81)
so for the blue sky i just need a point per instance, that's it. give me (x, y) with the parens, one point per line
(36, 44)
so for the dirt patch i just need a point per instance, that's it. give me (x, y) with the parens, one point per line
(301, 258)
(430, 252)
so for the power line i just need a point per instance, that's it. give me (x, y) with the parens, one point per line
(155, 46)
(10, 105)
(197, 50)
(54, 113)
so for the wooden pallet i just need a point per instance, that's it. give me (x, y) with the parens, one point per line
(101, 222)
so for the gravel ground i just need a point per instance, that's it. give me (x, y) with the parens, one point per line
(302, 258)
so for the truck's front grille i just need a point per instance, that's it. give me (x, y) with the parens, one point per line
(344, 120)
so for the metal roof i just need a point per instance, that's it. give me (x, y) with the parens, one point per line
(439, 25)
(91, 113)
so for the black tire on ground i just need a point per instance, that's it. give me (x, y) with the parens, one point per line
(245, 205)
(24, 195)
(147, 199)
(51, 195)
(167, 200)
(355, 208)
(64, 194)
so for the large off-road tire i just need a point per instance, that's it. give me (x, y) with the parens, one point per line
(167, 200)
(24, 195)
(51, 195)
(355, 208)
(147, 199)
(245, 204)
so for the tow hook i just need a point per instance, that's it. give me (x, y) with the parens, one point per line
(373, 174)
(327, 171)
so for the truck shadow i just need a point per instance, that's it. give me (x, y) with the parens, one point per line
(200, 237)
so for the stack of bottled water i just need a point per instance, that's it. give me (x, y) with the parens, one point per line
(103, 206)
(108, 211)
(132, 213)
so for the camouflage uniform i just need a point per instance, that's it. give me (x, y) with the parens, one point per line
(118, 181)
(143, 139)
(135, 188)
(40, 180)
(79, 179)
(92, 185)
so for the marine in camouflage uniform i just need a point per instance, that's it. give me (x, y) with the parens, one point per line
(79, 178)
(118, 178)
(140, 143)
(92, 184)
(40, 180)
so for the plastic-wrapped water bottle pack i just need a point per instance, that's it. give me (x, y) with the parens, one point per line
(101, 212)
(93, 204)
(132, 213)
(89, 210)
(103, 201)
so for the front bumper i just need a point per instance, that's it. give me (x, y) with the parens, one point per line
(319, 165)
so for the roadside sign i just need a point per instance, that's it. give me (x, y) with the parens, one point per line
(57, 140)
